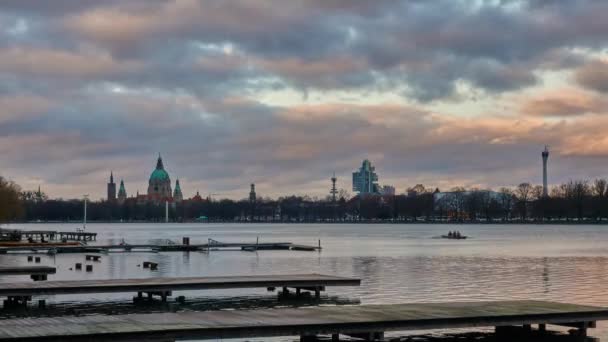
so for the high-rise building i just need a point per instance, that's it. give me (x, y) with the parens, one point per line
(545, 155)
(111, 189)
(365, 181)
(122, 193)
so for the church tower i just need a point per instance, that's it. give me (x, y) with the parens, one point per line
(111, 189)
(177, 193)
(122, 193)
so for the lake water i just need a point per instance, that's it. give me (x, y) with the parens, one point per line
(397, 263)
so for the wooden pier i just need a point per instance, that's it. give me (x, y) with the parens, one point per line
(368, 322)
(163, 287)
(45, 235)
(206, 247)
(29, 270)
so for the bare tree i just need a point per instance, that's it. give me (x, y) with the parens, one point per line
(599, 188)
(506, 201)
(523, 193)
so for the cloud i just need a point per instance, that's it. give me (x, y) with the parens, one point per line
(594, 76)
(440, 92)
(60, 64)
(564, 103)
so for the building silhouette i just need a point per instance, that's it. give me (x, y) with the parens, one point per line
(177, 193)
(159, 184)
(365, 180)
(122, 193)
(111, 188)
(159, 188)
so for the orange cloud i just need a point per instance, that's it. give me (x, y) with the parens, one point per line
(59, 63)
(563, 103)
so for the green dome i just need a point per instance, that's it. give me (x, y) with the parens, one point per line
(159, 175)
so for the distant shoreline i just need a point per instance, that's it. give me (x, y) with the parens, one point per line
(593, 222)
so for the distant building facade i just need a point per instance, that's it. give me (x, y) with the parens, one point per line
(159, 184)
(159, 188)
(365, 180)
(111, 189)
(122, 193)
(388, 190)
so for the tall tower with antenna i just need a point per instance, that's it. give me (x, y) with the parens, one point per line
(545, 155)
(334, 190)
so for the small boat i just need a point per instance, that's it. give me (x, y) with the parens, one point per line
(452, 237)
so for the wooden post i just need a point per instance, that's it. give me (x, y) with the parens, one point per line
(542, 328)
(335, 337)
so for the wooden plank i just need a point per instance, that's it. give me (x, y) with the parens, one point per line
(163, 248)
(173, 284)
(296, 321)
(8, 270)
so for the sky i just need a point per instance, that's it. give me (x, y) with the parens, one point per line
(285, 93)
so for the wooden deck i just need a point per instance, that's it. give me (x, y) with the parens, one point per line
(371, 320)
(16, 270)
(164, 286)
(248, 246)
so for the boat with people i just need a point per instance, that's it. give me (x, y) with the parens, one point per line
(455, 235)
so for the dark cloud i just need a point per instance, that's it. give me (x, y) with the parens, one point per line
(89, 86)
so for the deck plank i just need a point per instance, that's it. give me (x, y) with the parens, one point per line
(172, 284)
(296, 321)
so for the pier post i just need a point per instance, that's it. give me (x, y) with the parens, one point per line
(335, 337)
(308, 338)
(317, 293)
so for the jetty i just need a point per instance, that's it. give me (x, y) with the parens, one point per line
(169, 247)
(16, 235)
(21, 293)
(28, 270)
(368, 322)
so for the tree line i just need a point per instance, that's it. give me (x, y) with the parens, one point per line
(576, 200)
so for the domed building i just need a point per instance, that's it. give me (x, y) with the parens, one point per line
(159, 185)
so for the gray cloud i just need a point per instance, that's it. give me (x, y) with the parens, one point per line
(593, 75)
(89, 86)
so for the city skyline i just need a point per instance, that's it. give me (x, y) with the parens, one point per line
(232, 95)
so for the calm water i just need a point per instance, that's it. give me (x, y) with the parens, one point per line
(397, 263)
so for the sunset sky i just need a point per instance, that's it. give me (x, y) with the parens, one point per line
(284, 93)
